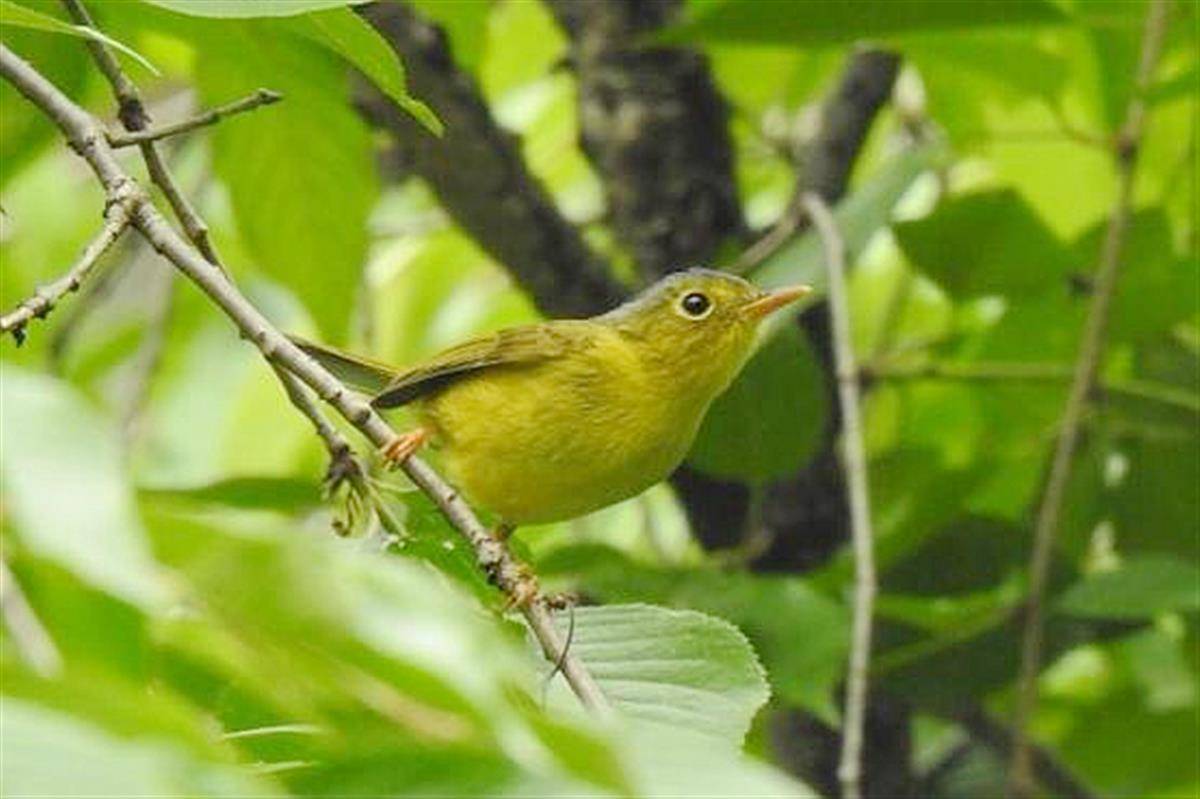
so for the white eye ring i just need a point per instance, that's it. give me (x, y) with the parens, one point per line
(694, 306)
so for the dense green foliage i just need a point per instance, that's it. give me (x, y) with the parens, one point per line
(162, 514)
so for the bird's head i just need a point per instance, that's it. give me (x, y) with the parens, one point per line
(699, 323)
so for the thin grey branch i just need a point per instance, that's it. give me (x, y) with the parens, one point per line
(855, 462)
(1036, 373)
(1091, 348)
(87, 138)
(343, 464)
(33, 643)
(249, 103)
(116, 220)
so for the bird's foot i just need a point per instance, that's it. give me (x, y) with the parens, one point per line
(503, 531)
(403, 447)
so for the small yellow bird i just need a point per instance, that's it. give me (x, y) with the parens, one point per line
(556, 419)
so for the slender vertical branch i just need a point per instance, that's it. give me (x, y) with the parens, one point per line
(855, 464)
(1125, 152)
(88, 139)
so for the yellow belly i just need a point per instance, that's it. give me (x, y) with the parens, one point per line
(558, 440)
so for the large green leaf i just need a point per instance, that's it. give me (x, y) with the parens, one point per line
(1144, 586)
(770, 610)
(301, 189)
(349, 36)
(65, 482)
(771, 420)
(391, 655)
(19, 16)
(831, 22)
(674, 669)
(986, 243)
(330, 24)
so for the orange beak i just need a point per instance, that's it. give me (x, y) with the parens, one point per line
(773, 301)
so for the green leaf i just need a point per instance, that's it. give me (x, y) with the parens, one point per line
(301, 191)
(1156, 288)
(286, 494)
(65, 480)
(830, 23)
(241, 9)
(24, 132)
(768, 609)
(1144, 586)
(349, 36)
(674, 669)
(465, 23)
(859, 216)
(18, 16)
(38, 741)
(986, 243)
(406, 671)
(330, 24)
(771, 420)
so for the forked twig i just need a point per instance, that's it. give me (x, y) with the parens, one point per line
(89, 140)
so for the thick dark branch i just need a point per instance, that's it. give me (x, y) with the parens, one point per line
(249, 103)
(479, 175)
(846, 118)
(656, 128)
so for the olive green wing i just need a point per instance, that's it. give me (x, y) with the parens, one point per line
(361, 374)
(512, 347)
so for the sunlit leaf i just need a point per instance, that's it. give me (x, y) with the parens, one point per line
(21, 17)
(251, 8)
(1143, 586)
(673, 669)
(986, 243)
(66, 484)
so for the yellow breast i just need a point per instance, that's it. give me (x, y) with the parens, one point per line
(562, 438)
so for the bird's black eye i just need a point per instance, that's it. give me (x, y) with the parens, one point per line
(695, 304)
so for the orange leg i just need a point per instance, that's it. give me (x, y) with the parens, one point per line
(403, 447)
